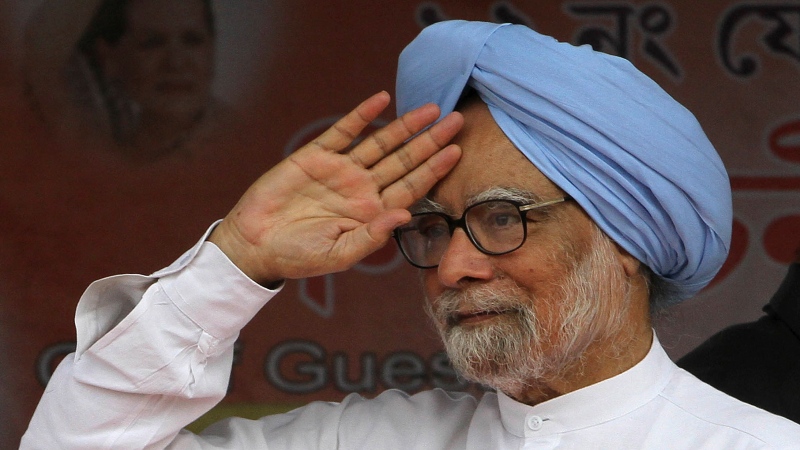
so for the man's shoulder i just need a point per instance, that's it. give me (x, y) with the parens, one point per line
(710, 408)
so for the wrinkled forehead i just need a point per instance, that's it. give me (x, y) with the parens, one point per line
(490, 165)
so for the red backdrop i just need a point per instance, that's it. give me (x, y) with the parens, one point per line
(72, 212)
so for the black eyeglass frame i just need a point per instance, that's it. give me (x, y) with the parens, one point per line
(461, 222)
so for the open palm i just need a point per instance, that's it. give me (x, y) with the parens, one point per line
(327, 206)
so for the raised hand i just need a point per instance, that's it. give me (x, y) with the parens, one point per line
(327, 205)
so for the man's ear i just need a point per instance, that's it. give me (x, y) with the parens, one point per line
(630, 264)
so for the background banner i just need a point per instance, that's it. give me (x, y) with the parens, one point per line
(103, 173)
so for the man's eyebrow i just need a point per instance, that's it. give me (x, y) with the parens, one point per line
(426, 205)
(517, 195)
(504, 193)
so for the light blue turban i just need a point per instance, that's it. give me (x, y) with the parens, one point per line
(635, 159)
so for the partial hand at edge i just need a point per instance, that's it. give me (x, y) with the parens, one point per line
(327, 206)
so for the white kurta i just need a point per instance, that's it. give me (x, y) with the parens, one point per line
(154, 353)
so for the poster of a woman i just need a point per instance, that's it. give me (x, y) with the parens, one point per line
(135, 76)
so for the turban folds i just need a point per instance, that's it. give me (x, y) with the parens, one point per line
(635, 159)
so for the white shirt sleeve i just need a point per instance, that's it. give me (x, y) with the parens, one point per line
(153, 354)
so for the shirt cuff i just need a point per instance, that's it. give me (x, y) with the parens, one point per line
(212, 292)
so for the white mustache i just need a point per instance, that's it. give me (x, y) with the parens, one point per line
(451, 304)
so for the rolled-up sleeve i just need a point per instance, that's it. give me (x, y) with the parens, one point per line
(153, 354)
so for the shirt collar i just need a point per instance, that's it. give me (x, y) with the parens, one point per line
(591, 405)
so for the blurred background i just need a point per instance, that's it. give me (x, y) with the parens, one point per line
(119, 147)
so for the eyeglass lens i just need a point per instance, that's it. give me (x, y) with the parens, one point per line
(495, 227)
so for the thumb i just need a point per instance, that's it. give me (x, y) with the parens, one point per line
(379, 230)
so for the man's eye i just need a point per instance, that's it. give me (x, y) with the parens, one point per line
(432, 228)
(502, 220)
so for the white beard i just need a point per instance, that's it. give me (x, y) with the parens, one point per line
(510, 352)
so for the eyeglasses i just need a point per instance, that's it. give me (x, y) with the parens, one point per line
(495, 227)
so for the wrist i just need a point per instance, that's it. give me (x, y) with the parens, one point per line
(243, 256)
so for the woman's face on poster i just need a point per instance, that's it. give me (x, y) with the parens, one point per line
(164, 61)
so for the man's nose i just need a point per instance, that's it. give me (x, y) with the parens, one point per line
(463, 262)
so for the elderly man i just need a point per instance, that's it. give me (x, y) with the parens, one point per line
(577, 196)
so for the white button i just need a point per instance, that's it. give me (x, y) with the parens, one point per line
(535, 423)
